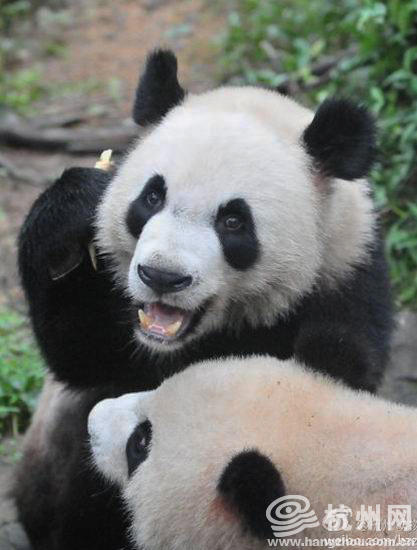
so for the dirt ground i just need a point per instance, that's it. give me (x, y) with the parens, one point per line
(104, 46)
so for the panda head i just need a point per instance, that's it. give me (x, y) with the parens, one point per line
(233, 205)
(203, 459)
(193, 471)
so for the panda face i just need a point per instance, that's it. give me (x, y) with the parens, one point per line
(213, 218)
(229, 209)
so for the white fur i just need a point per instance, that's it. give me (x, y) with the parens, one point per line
(225, 144)
(330, 444)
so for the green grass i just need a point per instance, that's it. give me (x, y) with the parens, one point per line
(22, 88)
(375, 47)
(21, 373)
(19, 88)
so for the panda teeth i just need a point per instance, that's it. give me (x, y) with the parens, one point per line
(172, 330)
(146, 322)
(144, 319)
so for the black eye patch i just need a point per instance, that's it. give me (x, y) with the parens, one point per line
(237, 233)
(150, 201)
(137, 446)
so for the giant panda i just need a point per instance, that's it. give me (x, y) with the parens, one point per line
(238, 223)
(223, 456)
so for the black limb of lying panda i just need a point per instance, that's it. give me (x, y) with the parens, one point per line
(212, 458)
(239, 223)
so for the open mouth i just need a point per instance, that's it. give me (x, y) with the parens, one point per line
(163, 322)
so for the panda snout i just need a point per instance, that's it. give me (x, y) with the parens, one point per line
(163, 282)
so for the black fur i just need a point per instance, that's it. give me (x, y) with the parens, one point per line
(63, 503)
(341, 139)
(142, 208)
(250, 483)
(83, 326)
(240, 246)
(81, 321)
(158, 90)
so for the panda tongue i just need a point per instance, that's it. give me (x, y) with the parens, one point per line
(163, 319)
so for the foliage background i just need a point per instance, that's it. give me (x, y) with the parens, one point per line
(21, 373)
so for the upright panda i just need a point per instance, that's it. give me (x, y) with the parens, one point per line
(238, 224)
(223, 455)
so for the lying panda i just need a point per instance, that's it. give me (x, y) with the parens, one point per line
(239, 223)
(203, 459)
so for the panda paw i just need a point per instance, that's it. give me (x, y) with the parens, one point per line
(340, 351)
(56, 235)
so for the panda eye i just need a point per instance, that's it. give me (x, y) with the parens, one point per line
(233, 223)
(154, 199)
(137, 446)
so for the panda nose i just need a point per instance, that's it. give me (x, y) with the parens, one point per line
(163, 282)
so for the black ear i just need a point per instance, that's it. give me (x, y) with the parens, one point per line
(249, 483)
(341, 139)
(158, 89)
